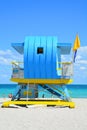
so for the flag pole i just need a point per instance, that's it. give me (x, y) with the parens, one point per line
(75, 47)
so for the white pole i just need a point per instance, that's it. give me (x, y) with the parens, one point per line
(73, 60)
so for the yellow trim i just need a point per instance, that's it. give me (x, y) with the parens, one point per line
(58, 68)
(64, 62)
(42, 81)
(14, 62)
(19, 62)
(39, 102)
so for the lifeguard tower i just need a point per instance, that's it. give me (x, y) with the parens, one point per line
(42, 67)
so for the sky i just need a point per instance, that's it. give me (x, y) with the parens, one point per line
(61, 18)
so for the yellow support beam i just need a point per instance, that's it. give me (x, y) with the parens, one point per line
(42, 81)
(40, 102)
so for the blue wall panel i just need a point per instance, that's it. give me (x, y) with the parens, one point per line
(30, 57)
(54, 72)
(43, 58)
(37, 58)
(25, 57)
(40, 65)
(49, 57)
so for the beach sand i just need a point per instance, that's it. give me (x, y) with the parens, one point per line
(45, 118)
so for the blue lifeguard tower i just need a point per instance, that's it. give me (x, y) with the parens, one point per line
(42, 67)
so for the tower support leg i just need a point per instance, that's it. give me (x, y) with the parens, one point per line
(67, 96)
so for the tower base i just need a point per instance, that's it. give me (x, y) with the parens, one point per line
(51, 102)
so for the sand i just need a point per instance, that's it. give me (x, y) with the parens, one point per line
(45, 118)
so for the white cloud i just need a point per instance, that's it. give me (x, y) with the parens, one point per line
(82, 62)
(82, 68)
(7, 56)
(78, 57)
(82, 49)
(6, 52)
(4, 60)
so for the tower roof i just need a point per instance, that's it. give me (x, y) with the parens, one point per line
(19, 47)
(65, 48)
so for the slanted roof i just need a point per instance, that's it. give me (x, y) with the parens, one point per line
(19, 47)
(65, 48)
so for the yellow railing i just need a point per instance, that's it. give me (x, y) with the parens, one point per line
(65, 68)
(17, 70)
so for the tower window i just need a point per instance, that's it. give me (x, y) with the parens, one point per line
(40, 50)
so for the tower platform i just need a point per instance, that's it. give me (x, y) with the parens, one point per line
(42, 81)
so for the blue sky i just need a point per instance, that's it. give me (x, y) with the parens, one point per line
(61, 18)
